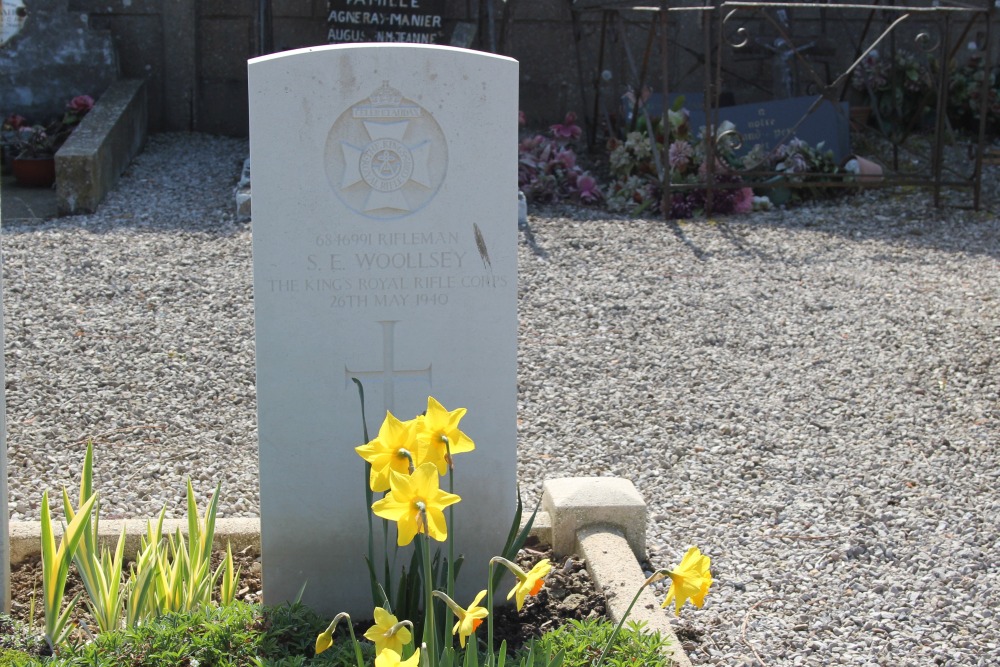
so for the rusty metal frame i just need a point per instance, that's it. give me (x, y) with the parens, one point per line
(948, 19)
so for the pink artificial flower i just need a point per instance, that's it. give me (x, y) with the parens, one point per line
(521, 120)
(679, 156)
(587, 188)
(531, 143)
(568, 129)
(567, 157)
(743, 201)
(720, 168)
(81, 104)
(796, 164)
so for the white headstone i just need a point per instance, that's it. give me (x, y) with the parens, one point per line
(384, 242)
(4, 515)
(12, 15)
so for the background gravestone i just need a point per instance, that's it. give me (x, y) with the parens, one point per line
(53, 58)
(384, 232)
(412, 21)
(12, 13)
(778, 121)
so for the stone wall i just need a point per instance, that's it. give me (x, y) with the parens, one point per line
(51, 59)
(193, 53)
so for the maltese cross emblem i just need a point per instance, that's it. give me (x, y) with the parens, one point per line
(386, 156)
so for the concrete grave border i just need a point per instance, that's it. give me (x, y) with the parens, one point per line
(92, 160)
(598, 519)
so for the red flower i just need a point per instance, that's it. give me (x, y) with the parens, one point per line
(568, 129)
(80, 104)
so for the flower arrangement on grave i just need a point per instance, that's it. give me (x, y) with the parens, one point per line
(900, 88)
(636, 188)
(37, 141)
(797, 160)
(547, 170)
(407, 462)
(965, 88)
(9, 130)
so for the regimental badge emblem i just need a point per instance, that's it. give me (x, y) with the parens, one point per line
(386, 156)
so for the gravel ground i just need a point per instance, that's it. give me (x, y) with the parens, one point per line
(811, 396)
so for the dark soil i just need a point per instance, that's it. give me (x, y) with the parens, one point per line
(568, 594)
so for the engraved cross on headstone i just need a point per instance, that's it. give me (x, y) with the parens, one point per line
(389, 373)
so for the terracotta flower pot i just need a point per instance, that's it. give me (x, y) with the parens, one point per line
(35, 172)
(865, 170)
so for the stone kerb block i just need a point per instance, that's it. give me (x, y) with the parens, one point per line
(92, 160)
(577, 502)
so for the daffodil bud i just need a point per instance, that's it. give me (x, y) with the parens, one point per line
(325, 639)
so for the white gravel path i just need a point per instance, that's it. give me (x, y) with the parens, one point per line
(811, 396)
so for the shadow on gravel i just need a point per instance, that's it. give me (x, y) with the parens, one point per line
(909, 220)
(529, 238)
(699, 254)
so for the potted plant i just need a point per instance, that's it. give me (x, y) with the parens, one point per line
(34, 151)
(33, 147)
(965, 94)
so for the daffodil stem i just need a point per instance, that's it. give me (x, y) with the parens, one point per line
(489, 619)
(450, 586)
(387, 568)
(430, 630)
(369, 499)
(354, 640)
(369, 496)
(614, 635)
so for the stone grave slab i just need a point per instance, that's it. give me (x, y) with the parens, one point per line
(384, 241)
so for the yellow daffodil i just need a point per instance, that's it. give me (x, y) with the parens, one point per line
(324, 641)
(528, 583)
(416, 503)
(469, 619)
(438, 434)
(389, 658)
(689, 580)
(393, 449)
(388, 632)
